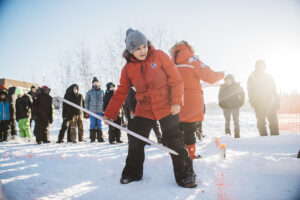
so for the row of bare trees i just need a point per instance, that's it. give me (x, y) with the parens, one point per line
(82, 64)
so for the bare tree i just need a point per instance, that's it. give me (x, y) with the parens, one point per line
(162, 38)
(84, 67)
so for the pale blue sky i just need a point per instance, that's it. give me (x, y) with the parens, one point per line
(227, 35)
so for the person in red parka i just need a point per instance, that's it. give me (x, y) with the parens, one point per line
(192, 71)
(159, 95)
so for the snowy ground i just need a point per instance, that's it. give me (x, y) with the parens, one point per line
(255, 168)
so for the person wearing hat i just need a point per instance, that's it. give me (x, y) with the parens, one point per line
(6, 115)
(23, 114)
(159, 95)
(33, 94)
(231, 98)
(263, 98)
(94, 103)
(43, 109)
(114, 134)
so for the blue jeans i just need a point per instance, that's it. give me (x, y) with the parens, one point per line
(95, 123)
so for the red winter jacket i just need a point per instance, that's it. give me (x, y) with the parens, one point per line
(157, 82)
(192, 71)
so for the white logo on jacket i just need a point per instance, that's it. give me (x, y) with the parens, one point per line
(195, 59)
(153, 65)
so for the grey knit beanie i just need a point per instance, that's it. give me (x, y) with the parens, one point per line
(134, 39)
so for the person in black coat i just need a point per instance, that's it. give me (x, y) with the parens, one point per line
(231, 98)
(23, 114)
(114, 134)
(129, 110)
(72, 116)
(42, 108)
(33, 94)
(264, 99)
(12, 97)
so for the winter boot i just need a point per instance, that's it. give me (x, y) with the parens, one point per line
(188, 182)
(59, 141)
(92, 135)
(227, 131)
(100, 136)
(237, 133)
(126, 180)
(111, 136)
(191, 149)
(118, 136)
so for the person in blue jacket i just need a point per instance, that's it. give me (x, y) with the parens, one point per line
(6, 115)
(94, 102)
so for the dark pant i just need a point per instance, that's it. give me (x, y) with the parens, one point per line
(234, 112)
(270, 114)
(114, 134)
(4, 127)
(42, 129)
(157, 131)
(64, 126)
(171, 137)
(74, 123)
(12, 128)
(188, 130)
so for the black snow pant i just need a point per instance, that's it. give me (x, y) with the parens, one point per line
(157, 131)
(114, 134)
(188, 130)
(65, 126)
(4, 127)
(235, 112)
(42, 129)
(271, 115)
(171, 137)
(12, 127)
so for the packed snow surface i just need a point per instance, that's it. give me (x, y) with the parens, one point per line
(254, 168)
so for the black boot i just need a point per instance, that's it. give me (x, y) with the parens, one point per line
(100, 136)
(111, 136)
(126, 180)
(92, 135)
(118, 136)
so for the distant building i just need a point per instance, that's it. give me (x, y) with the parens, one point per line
(25, 86)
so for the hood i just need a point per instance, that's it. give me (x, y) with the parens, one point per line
(70, 89)
(181, 52)
(108, 85)
(3, 92)
(11, 90)
(130, 58)
(45, 90)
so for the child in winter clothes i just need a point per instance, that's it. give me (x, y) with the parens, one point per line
(72, 116)
(192, 71)
(94, 102)
(43, 110)
(159, 94)
(114, 134)
(231, 98)
(23, 114)
(6, 115)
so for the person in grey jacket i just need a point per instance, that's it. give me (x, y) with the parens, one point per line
(94, 103)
